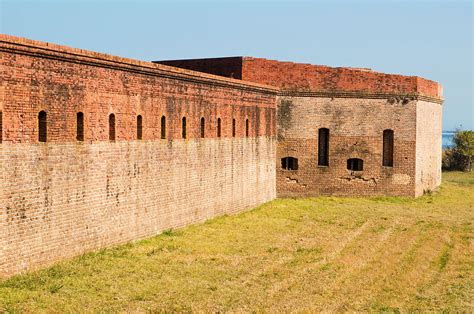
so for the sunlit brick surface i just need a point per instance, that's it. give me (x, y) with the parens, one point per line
(64, 197)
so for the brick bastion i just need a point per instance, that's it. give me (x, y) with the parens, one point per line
(97, 150)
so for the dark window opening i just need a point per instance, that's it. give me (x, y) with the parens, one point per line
(111, 127)
(80, 126)
(219, 127)
(203, 127)
(163, 127)
(42, 127)
(289, 163)
(183, 128)
(139, 127)
(323, 147)
(387, 148)
(233, 127)
(247, 127)
(355, 164)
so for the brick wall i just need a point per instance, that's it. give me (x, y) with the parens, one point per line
(99, 85)
(428, 146)
(60, 200)
(355, 131)
(64, 197)
(356, 105)
(308, 77)
(290, 76)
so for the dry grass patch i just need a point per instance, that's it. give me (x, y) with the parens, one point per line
(315, 254)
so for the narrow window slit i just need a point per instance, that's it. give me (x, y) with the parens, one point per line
(323, 147)
(42, 127)
(139, 127)
(289, 163)
(111, 127)
(203, 127)
(163, 127)
(387, 158)
(183, 127)
(80, 126)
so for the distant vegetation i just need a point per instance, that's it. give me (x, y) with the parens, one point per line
(324, 254)
(460, 156)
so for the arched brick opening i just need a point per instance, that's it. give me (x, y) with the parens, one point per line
(111, 127)
(323, 147)
(183, 127)
(163, 127)
(355, 164)
(42, 126)
(80, 126)
(289, 163)
(387, 158)
(139, 127)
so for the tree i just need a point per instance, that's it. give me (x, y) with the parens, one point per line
(460, 157)
(464, 149)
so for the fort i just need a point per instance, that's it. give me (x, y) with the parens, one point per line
(97, 150)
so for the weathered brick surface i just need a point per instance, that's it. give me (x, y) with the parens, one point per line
(31, 83)
(356, 127)
(290, 76)
(356, 105)
(308, 77)
(428, 146)
(63, 197)
(59, 200)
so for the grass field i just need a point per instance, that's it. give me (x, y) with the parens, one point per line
(327, 253)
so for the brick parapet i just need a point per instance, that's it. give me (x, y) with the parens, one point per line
(52, 51)
(298, 79)
(289, 76)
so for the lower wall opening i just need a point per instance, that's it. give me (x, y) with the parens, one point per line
(355, 164)
(289, 163)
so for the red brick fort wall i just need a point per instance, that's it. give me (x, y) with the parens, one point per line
(65, 197)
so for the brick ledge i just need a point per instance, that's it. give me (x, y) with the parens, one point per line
(396, 97)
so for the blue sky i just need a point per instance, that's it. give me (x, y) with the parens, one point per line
(432, 39)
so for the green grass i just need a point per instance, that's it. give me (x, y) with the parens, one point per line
(327, 253)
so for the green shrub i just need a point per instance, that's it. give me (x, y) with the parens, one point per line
(460, 156)
(447, 160)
